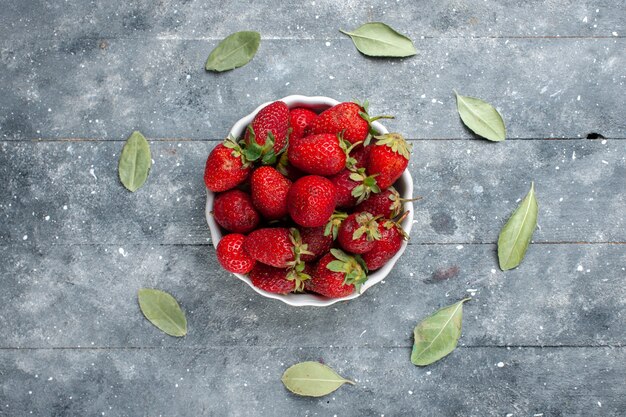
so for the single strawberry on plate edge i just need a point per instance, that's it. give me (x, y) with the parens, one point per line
(388, 158)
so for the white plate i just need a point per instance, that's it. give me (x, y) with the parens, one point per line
(404, 185)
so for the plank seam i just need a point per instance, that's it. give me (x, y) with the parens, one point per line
(88, 348)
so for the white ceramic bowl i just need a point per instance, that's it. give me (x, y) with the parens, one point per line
(404, 185)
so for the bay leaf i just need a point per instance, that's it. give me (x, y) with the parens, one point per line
(481, 117)
(437, 335)
(135, 162)
(235, 51)
(163, 311)
(378, 39)
(312, 379)
(517, 232)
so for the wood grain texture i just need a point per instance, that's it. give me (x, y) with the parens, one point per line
(86, 295)
(56, 89)
(469, 189)
(531, 381)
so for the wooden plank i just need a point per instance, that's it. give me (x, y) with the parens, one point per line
(69, 192)
(85, 295)
(544, 87)
(319, 19)
(245, 381)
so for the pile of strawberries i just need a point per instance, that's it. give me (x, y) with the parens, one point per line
(307, 199)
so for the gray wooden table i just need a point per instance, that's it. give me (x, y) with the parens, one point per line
(76, 77)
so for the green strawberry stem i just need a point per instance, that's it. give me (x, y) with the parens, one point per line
(296, 274)
(282, 164)
(299, 248)
(332, 227)
(255, 151)
(296, 267)
(238, 152)
(397, 201)
(396, 142)
(353, 267)
(368, 226)
(397, 224)
(366, 188)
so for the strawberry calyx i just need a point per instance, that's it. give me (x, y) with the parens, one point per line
(296, 267)
(396, 201)
(238, 152)
(347, 147)
(353, 267)
(370, 119)
(396, 142)
(364, 114)
(282, 164)
(332, 227)
(366, 187)
(368, 226)
(298, 275)
(299, 248)
(388, 224)
(254, 151)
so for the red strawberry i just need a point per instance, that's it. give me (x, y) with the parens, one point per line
(233, 210)
(279, 247)
(387, 204)
(299, 119)
(344, 185)
(358, 157)
(273, 122)
(323, 154)
(278, 280)
(316, 242)
(391, 237)
(231, 255)
(311, 201)
(353, 187)
(226, 167)
(337, 275)
(269, 192)
(271, 279)
(349, 118)
(388, 158)
(358, 233)
(270, 246)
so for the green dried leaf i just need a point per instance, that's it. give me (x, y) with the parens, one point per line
(233, 52)
(135, 161)
(481, 118)
(378, 39)
(517, 232)
(163, 311)
(312, 379)
(437, 335)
